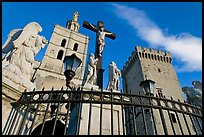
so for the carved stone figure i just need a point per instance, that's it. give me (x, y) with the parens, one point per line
(19, 51)
(91, 70)
(75, 16)
(114, 74)
(100, 33)
(195, 91)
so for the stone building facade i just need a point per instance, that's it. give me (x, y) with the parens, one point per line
(63, 42)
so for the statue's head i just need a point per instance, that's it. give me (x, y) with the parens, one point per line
(185, 89)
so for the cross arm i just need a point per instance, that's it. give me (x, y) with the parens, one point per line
(89, 26)
(110, 35)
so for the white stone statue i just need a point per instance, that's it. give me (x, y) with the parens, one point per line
(114, 74)
(91, 70)
(195, 91)
(194, 94)
(19, 51)
(100, 33)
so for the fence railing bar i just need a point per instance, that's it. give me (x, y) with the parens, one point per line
(33, 121)
(162, 118)
(13, 118)
(6, 127)
(79, 114)
(143, 116)
(23, 120)
(179, 123)
(57, 112)
(43, 124)
(66, 117)
(122, 110)
(172, 126)
(16, 122)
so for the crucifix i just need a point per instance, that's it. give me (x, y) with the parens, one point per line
(101, 33)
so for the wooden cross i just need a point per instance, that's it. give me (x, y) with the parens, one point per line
(101, 33)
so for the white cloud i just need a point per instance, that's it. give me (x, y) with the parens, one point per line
(184, 47)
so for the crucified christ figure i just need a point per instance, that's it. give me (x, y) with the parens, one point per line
(100, 33)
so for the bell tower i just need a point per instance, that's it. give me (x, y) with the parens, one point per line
(63, 42)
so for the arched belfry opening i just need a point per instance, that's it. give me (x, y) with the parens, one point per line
(60, 54)
(63, 43)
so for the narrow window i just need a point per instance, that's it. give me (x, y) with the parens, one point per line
(159, 70)
(152, 56)
(167, 59)
(173, 118)
(140, 54)
(155, 57)
(75, 47)
(63, 42)
(149, 56)
(161, 58)
(146, 55)
(158, 58)
(60, 54)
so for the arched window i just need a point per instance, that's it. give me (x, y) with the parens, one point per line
(143, 55)
(164, 59)
(63, 42)
(75, 47)
(161, 58)
(60, 54)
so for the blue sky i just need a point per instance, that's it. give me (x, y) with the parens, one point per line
(171, 26)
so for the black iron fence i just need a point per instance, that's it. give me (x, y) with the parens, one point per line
(64, 112)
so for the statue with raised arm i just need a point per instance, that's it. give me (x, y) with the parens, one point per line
(114, 74)
(100, 39)
(91, 70)
(19, 51)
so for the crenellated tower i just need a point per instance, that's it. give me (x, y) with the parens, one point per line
(145, 63)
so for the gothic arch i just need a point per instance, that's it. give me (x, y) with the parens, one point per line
(60, 54)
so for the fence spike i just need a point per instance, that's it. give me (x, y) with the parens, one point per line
(33, 89)
(171, 98)
(43, 88)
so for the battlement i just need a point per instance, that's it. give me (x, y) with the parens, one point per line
(148, 54)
